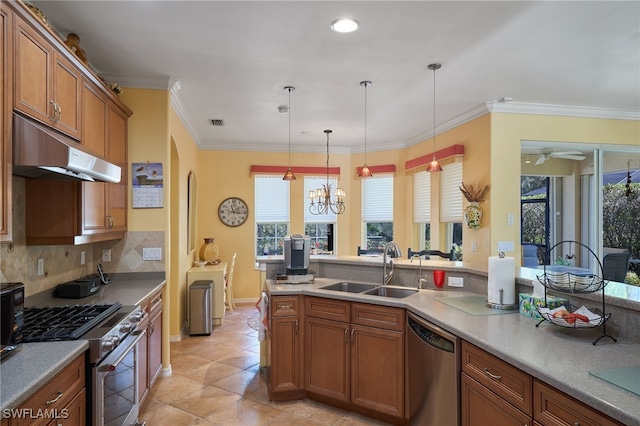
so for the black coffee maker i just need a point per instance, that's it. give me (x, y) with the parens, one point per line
(296, 254)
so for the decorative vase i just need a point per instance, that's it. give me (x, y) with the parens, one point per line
(209, 250)
(473, 215)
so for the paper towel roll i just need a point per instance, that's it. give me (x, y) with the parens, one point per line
(502, 275)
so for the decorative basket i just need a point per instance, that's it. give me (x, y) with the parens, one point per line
(568, 282)
(569, 317)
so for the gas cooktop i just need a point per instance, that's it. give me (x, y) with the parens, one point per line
(63, 322)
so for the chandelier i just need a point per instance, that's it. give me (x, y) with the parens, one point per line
(321, 201)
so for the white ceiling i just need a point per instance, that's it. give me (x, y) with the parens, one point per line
(231, 60)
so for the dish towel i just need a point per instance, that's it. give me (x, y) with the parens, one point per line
(263, 323)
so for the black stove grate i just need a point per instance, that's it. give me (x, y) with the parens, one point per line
(63, 322)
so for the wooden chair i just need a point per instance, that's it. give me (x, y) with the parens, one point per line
(448, 256)
(363, 252)
(228, 286)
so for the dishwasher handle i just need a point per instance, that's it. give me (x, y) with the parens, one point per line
(432, 334)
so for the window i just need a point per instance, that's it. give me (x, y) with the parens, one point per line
(377, 211)
(451, 206)
(272, 214)
(321, 228)
(422, 208)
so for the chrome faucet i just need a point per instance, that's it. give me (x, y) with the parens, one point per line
(421, 281)
(386, 277)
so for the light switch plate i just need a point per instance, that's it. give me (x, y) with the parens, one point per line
(152, 253)
(505, 245)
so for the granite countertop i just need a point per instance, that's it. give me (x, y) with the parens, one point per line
(34, 364)
(559, 357)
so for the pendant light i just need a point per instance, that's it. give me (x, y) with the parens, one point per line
(289, 174)
(321, 202)
(365, 172)
(434, 166)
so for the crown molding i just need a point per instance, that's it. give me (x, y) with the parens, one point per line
(561, 110)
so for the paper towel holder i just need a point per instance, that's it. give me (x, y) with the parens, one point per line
(511, 306)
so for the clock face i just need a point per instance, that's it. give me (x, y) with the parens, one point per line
(233, 212)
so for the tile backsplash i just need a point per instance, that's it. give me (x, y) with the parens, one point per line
(19, 262)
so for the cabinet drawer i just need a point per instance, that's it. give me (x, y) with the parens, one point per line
(385, 317)
(479, 405)
(552, 407)
(62, 389)
(285, 306)
(155, 302)
(331, 309)
(506, 381)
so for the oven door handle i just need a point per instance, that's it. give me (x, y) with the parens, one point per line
(112, 366)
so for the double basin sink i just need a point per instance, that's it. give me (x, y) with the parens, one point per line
(370, 289)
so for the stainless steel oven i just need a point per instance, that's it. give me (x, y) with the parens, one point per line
(114, 383)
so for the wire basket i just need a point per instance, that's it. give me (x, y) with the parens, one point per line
(568, 282)
(571, 279)
(569, 317)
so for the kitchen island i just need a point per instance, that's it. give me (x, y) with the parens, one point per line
(561, 358)
(34, 364)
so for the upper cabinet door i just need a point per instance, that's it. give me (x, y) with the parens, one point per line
(47, 86)
(33, 59)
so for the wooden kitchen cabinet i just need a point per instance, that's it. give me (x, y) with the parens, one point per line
(480, 404)
(354, 355)
(47, 85)
(554, 408)
(104, 208)
(149, 349)
(154, 333)
(64, 394)
(492, 388)
(6, 105)
(285, 339)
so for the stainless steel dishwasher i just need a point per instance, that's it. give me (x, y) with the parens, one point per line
(433, 383)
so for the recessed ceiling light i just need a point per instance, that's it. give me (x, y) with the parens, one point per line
(344, 25)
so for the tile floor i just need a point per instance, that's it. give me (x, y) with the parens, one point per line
(217, 380)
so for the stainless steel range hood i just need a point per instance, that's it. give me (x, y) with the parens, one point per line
(41, 152)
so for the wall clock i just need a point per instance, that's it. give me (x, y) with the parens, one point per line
(233, 211)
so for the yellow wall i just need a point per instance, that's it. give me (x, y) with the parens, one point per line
(492, 153)
(507, 132)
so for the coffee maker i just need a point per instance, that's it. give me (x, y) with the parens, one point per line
(296, 254)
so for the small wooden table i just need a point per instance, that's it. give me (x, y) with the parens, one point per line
(217, 274)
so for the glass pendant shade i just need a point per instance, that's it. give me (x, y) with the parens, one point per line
(289, 175)
(365, 172)
(434, 166)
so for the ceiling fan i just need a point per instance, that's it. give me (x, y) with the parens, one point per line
(566, 155)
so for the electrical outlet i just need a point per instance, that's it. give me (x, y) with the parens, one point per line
(456, 282)
(510, 219)
(83, 258)
(106, 255)
(40, 267)
(474, 246)
(152, 253)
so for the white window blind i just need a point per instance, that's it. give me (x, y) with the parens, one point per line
(422, 197)
(311, 183)
(377, 199)
(272, 199)
(450, 195)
